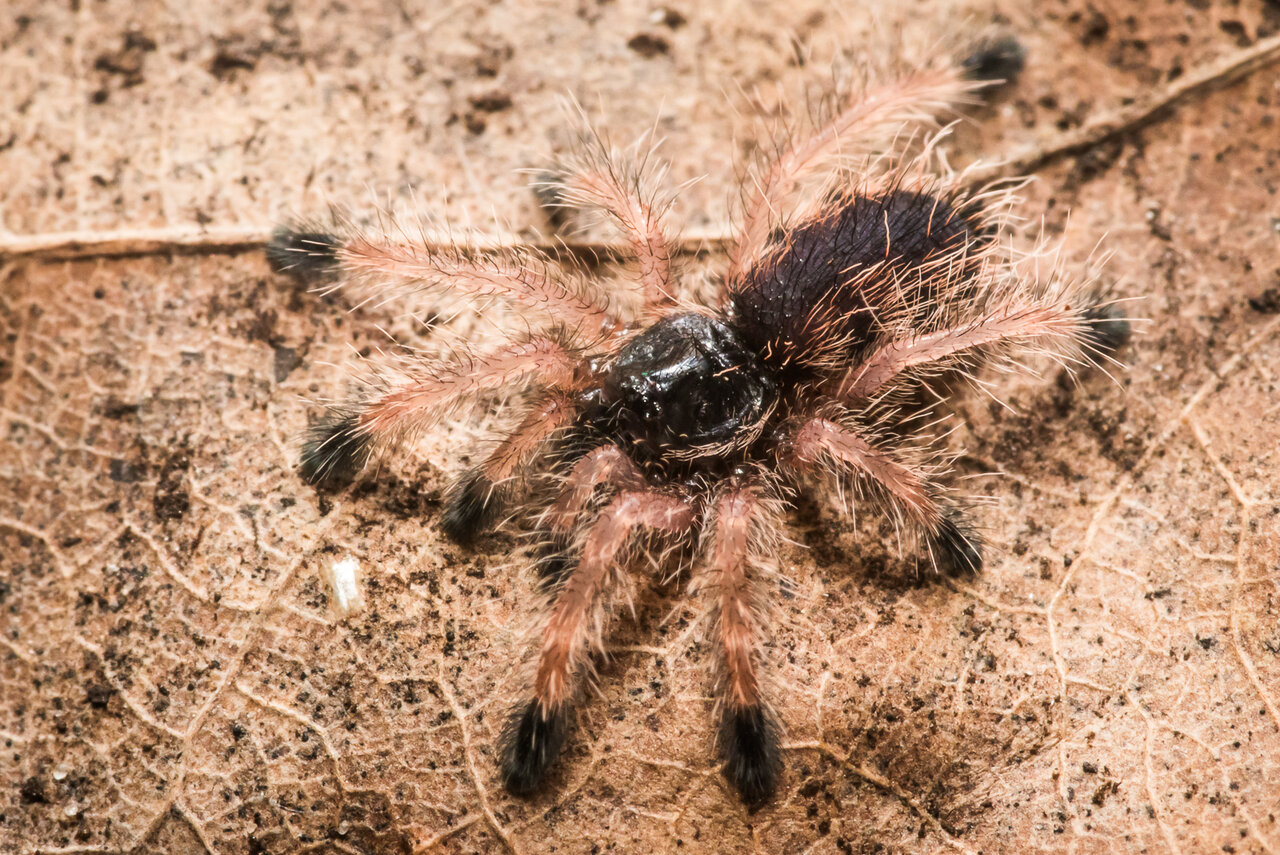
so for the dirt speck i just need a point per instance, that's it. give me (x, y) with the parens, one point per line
(1266, 303)
(649, 45)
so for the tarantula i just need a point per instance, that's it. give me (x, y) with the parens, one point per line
(696, 424)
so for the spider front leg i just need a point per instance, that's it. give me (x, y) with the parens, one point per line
(605, 465)
(474, 501)
(341, 443)
(743, 520)
(821, 444)
(536, 732)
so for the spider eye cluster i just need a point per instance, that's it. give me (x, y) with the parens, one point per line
(687, 383)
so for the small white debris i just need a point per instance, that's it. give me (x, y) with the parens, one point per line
(343, 828)
(344, 581)
(60, 772)
(71, 809)
(343, 577)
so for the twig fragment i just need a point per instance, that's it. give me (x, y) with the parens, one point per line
(194, 240)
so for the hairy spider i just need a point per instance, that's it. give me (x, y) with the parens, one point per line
(695, 425)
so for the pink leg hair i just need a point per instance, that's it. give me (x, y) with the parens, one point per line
(820, 439)
(524, 279)
(556, 412)
(605, 465)
(868, 123)
(739, 625)
(425, 397)
(1007, 325)
(639, 220)
(749, 735)
(474, 500)
(952, 544)
(575, 613)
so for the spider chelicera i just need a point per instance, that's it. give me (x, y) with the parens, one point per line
(694, 425)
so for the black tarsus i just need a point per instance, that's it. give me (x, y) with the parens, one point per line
(554, 562)
(530, 743)
(309, 256)
(548, 190)
(750, 743)
(335, 450)
(997, 60)
(957, 545)
(1109, 330)
(470, 507)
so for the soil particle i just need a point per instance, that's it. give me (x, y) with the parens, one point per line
(649, 45)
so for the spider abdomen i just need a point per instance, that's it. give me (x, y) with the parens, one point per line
(822, 286)
(686, 384)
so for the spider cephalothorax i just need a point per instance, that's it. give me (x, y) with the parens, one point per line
(695, 424)
(687, 387)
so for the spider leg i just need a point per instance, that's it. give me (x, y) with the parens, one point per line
(868, 123)
(366, 264)
(1019, 323)
(952, 542)
(605, 464)
(535, 733)
(340, 445)
(476, 498)
(627, 195)
(749, 730)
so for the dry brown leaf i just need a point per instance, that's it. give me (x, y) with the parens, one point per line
(174, 676)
